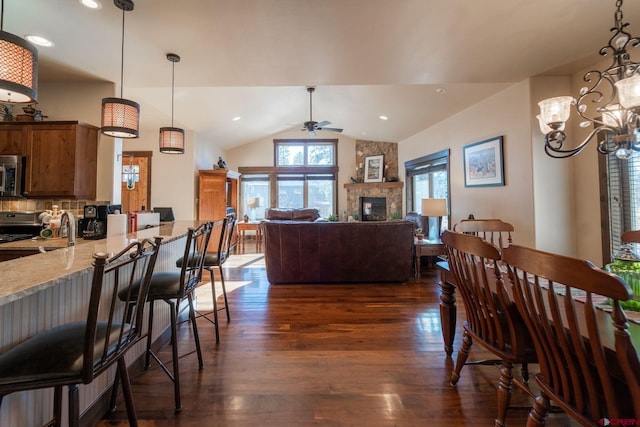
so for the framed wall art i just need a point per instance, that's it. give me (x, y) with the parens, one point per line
(483, 163)
(374, 168)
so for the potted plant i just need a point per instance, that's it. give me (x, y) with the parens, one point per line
(419, 234)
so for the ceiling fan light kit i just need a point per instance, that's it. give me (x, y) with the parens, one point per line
(312, 126)
(18, 67)
(121, 117)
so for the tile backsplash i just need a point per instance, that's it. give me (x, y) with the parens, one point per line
(74, 206)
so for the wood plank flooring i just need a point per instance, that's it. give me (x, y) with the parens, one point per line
(322, 355)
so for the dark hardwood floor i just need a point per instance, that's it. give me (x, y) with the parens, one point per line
(323, 355)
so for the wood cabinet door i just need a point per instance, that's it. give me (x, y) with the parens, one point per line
(212, 197)
(13, 140)
(51, 164)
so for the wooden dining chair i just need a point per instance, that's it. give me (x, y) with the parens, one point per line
(588, 364)
(495, 231)
(631, 236)
(77, 352)
(491, 318)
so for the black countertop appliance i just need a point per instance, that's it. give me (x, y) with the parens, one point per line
(94, 224)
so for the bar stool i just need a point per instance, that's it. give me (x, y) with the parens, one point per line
(216, 259)
(77, 352)
(173, 288)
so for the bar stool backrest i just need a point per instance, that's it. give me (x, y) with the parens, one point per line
(195, 251)
(114, 325)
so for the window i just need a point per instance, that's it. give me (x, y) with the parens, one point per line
(305, 175)
(621, 209)
(428, 178)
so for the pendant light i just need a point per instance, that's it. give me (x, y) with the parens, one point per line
(18, 67)
(171, 138)
(121, 117)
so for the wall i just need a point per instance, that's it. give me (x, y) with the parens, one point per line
(173, 176)
(506, 113)
(260, 153)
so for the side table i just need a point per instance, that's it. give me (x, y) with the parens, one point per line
(426, 248)
(242, 227)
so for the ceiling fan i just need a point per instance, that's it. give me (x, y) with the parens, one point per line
(312, 126)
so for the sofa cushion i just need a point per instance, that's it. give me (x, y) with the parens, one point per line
(306, 214)
(278, 214)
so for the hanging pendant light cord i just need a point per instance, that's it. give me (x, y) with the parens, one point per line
(173, 79)
(122, 58)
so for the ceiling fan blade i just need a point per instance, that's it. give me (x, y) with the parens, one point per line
(331, 129)
(321, 124)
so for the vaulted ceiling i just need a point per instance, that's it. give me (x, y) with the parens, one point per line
(253, 58)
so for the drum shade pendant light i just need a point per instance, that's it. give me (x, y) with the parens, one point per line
(18, 67)
(121, 117)
(172, 139)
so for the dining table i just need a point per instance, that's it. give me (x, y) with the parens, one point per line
(448, 313)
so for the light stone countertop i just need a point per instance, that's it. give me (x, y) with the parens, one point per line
(27, 275)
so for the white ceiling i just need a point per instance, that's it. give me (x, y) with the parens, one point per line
(253, 58)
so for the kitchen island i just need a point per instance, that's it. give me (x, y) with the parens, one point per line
(41, 291)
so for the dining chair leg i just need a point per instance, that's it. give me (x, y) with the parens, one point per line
(224, 294)
(463, 355)
(196, 337)
(504, 392)
(126, 392)
(538, 415)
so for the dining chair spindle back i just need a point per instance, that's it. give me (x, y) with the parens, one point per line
(589, 378)
(495, 231)
(491, 318)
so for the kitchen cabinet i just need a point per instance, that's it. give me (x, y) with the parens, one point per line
(217, 189)
(62, 157)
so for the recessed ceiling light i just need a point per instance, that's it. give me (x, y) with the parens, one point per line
(39, 40)
(236, 118)
(363, 133)
(441, 90)
(383, 117)
(91, 4)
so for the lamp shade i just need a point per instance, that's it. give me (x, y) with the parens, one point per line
(629, 91)
(171, 140)
(555, 110)
(120, 118)
(434, 207)
(18, 69)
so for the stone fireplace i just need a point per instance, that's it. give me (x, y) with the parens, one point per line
(390, 189)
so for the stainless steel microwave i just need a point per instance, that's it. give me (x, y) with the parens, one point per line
(12, 170)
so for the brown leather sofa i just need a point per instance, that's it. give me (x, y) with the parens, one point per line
(331, 252)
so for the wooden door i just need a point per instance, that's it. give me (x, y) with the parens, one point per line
(136, 181)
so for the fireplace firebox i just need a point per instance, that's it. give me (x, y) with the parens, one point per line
(373, 208)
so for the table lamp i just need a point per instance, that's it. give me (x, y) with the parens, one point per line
(434, 208)
(253, 203)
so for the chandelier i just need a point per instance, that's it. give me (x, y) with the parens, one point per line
(613, 94)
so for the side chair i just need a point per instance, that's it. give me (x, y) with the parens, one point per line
(495, 231)
(588, 364)
(76, 353)
(173, 288)
(492, 319)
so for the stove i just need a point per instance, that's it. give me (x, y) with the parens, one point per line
(19, 225)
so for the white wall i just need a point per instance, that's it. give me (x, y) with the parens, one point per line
(506, 113)
(260, 153)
